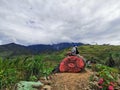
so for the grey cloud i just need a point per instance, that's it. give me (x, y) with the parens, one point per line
(47, 21)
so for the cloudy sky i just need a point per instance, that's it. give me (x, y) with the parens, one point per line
(53, 21)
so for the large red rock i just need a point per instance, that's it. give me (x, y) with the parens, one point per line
(72, 64)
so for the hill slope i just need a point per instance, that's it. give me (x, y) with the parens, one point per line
(13, 49)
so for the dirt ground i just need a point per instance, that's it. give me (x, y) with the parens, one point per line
(71, 81)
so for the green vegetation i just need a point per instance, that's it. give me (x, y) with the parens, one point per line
(101, 53)
(104, 78)
(29, 68)
(32, 67)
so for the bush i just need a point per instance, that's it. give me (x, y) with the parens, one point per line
(106, 77)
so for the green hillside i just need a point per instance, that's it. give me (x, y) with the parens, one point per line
(13, 49)
(98, 52)
(31, 67)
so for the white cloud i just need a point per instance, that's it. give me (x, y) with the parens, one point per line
(52, 21)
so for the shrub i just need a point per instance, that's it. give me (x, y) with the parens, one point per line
(106, 76)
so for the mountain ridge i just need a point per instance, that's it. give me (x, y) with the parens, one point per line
(12, 49)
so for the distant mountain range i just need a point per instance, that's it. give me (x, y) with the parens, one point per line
(13, 49)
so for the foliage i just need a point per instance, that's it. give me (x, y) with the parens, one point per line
(106, 76)
(7, 75)
(23, 68)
